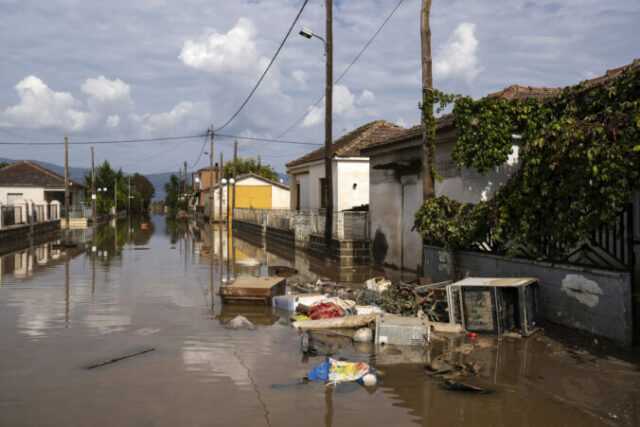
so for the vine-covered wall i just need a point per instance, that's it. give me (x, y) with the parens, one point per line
(579, 163)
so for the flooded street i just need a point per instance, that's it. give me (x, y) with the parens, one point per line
(63, 310)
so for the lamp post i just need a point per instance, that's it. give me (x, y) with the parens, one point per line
(102, 190)
(230, 184)
(328, 50)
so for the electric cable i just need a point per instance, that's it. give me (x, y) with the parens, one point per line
(266, 70)
(366, 45)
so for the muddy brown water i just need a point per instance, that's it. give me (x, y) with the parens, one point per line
(63, 310)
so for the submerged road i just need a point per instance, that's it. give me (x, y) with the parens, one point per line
(62, 311)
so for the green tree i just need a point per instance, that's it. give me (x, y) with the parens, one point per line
(3, 164)
(174, 198)
(141, 189)
(250, 165)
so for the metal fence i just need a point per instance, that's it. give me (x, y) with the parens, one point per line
(347, 225)
(23, 213)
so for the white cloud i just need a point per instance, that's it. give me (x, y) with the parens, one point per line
(300, 77)
(343, 106)
(42, 107)
(215, 53)
(457, 56)
(366, 98)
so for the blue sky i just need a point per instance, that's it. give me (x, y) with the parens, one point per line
(156, 68)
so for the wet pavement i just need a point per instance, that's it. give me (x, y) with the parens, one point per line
(63, 310)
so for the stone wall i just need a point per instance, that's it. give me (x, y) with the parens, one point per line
(594, 300)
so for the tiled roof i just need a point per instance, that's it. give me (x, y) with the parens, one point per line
(26, 173)
(443, 122)
(352, 143)
(510, 93)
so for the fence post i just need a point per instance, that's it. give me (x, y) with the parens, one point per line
(1, 216)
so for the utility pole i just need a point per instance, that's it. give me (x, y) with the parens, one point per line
(428, 186)
(186, 190)
(327, 131)
(66, 184)
(211, 189)
(220, 188)
(235, 161)
(93, 189)
(115, 199)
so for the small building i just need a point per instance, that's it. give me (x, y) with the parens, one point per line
(350, 170)
(252, 191)
(201, 180)
(27, 181)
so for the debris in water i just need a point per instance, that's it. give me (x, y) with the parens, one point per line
(117, 359)
(146, 331)
(453, 385)
(240, 322)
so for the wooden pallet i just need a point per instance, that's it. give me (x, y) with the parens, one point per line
(252, 289)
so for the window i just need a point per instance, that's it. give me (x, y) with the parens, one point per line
(323, 192)
(13, 197)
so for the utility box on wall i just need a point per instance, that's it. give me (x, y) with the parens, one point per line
(495, 305)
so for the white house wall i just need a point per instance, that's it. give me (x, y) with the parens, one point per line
(350, 172)
(35, 194)
(467, 184)
(279, 198)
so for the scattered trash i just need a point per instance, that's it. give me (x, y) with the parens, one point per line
(300, 317)
(454, 385)
(402, 299)
(363, 335)
(333, 372)
(378, 284)
(473, 335)
(240, 322)
(326, 310)
(438, 366)
(292, 301)
(283, 322)
(117, 359)
(354, 321)
(367, 309)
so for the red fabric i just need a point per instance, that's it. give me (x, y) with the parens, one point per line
(325, 311)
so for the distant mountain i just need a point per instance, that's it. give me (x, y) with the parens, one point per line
(158, 180)
(284, 177)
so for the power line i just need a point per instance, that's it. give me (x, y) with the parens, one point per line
(267, 139)
(267, 69)
(201, 149)
(117, 141)
(366, 45)
(18, 136)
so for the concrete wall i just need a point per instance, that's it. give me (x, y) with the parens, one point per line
(390, 220)
(350, 172)
(35, 194)
(346, 172)
(594, 300)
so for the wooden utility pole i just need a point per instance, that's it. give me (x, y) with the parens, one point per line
(186, 190)
(428, 186)
(220, 188)
(93, 190)
(115, 198)
(235, 160)
(328, 130)
(66, 184)
(211, 190)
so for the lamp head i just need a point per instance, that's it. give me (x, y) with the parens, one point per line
(224, 181)
(232, 181)
(306, 32)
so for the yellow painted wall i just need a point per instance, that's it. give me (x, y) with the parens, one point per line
(253, 196)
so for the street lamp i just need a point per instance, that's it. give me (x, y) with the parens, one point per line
(328, 174)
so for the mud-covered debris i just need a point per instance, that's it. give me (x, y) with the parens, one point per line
(453, 385)
(240, 322)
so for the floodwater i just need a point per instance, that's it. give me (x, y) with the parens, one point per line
(63, 310)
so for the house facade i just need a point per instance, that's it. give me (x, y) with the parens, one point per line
(252, 192)
(27, 181)
(350, 170)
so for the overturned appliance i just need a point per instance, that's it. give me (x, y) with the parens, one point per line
(399, 330)
(495, 305)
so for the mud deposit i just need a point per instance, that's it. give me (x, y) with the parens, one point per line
(61, 311)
